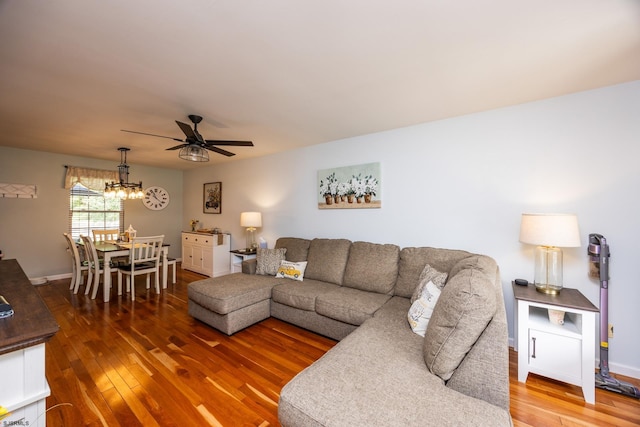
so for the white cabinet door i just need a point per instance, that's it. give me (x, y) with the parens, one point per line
(207, 260)
(187, 256)
(555, 356)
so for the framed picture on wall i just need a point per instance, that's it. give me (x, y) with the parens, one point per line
(350, 187)
(212, 198)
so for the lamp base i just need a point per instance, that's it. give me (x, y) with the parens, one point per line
(252, 245)
(548, 270)
(548, 289)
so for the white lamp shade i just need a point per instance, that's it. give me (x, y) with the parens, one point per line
(251, 219)
(560, 230)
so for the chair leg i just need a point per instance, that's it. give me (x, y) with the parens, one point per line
(119, 282)
(87, 288)
(96, 285)
(157, 275)
(174, 273)
(75, 281)
(131, 284)
(73, 276)
(148, 280)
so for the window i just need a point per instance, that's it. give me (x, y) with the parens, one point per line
(90, 210)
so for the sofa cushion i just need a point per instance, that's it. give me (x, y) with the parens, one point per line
(372, 267)
(327, 260)
(268, 260)
(350, 305)
(413, 260)
(231, 292)
(465, 307)
(297, 249)
(429, 274)
(291, 270)
(422, 308)
(300, 295)
(481, 262)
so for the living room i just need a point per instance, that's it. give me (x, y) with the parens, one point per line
(459, 182)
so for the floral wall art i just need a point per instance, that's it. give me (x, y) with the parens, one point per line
(350, 187)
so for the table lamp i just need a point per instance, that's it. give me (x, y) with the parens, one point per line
(550, 232)
(251, 220)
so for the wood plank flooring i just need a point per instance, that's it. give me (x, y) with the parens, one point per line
(148, 363)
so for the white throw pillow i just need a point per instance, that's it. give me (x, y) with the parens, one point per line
(422, 308)
(292, 270)
(429, 274)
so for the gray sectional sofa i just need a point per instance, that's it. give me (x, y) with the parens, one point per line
(381, 373)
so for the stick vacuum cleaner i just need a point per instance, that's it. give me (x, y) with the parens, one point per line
(599, 257)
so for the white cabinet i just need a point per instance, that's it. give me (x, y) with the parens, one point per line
(206, 254)
(564, 352)
(23, 383)
(25, 386)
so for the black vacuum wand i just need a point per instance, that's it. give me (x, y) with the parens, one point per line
(599, 257)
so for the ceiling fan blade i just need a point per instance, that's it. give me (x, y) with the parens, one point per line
(220, 151)
(234, 143)
(151, 134)
(187, 130)
(177, 146)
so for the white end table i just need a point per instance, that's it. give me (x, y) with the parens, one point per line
(239, 255)
(563, 352)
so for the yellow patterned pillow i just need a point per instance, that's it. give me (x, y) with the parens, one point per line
(292, 270)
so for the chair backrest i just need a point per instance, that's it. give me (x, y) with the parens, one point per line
(146, 249)
(73, 250)
(90, 249)
(105, 235)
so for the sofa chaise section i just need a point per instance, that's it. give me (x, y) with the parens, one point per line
(381, 372)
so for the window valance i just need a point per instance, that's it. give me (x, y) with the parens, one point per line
(93, 179)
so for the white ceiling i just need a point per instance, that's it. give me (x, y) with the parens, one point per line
(289, 73)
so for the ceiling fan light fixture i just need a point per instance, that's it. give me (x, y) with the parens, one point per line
(194, 153)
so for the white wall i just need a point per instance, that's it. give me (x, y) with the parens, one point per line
(463, 183)
(31, 229)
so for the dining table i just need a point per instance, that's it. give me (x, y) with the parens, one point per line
(111, 250)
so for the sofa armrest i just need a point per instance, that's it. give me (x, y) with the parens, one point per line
(249, 266)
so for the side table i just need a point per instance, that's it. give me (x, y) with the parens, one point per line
(563, 352)
(239, 255)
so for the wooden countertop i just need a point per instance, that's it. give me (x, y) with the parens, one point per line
(568, 297)
(32, 323)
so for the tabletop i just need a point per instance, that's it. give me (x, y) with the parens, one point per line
(32, 323)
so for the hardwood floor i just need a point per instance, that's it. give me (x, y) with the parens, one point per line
(148, 363)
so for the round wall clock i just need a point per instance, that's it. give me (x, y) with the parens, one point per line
(156, 198)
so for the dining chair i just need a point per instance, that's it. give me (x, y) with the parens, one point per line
(105, 235)
(78, 265)
(144, 258)
(96, 266)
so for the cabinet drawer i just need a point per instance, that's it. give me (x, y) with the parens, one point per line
(555, 356)
(197, 239)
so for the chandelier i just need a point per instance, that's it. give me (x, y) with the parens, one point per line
(123, 189)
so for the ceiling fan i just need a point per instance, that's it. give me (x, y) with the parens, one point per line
(194, 147)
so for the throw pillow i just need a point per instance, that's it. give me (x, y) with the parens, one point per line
(429, 274)
(292, 270)
(421, 310)
(268, 260)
